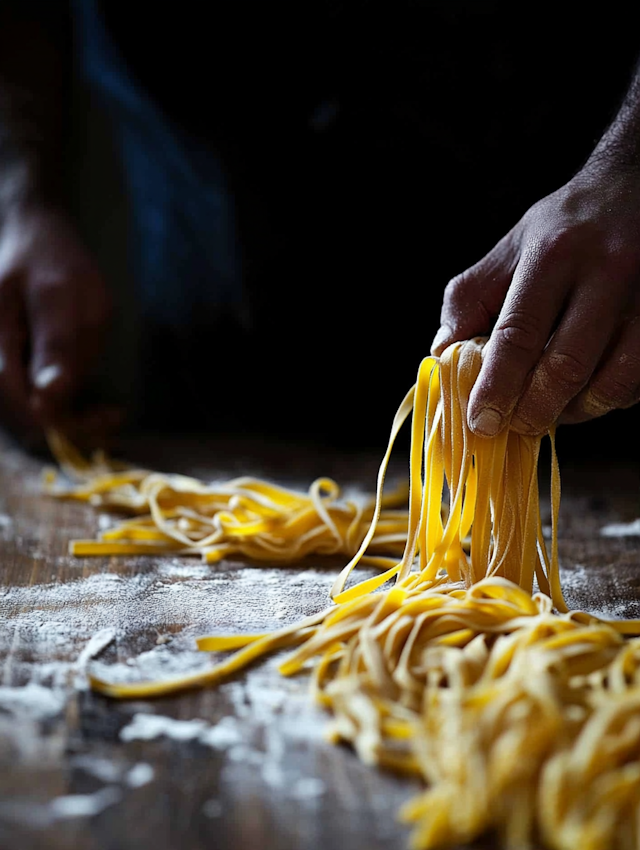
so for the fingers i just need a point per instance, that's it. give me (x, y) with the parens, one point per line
(67, 319)
(473, 299)
(64, 307)
(559, 344)
(524, 326)
(571, 358)
(616, 382)
(56, 351)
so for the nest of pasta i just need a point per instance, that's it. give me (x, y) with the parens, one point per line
(459, 661)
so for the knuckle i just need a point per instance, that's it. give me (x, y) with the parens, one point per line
(454, 295)
(461, 288)
(629, 361)
(615, 390)
(520, 331)
(567, 368)
(464, 302)
(611, 394)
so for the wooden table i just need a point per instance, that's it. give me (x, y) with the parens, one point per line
(255, 772)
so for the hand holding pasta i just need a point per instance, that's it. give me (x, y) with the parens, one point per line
(519, 718)
(563, 287)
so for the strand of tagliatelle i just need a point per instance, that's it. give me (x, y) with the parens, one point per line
(520, 717)
(244, 516)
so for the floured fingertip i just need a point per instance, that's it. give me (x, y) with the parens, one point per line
(47, 376)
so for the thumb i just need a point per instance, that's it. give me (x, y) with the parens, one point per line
(55, 359)
(53, 383)
(472, 300)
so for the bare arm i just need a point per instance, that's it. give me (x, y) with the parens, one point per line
(560, 295)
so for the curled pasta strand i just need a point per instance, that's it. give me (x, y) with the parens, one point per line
(519, 716)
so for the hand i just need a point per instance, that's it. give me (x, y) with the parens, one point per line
(563, 288)
(54, 310)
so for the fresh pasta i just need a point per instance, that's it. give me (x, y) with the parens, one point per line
(460, 662)
(246, 516)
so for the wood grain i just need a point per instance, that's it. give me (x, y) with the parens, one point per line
(275, 784)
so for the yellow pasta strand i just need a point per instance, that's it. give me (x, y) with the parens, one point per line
(520, 717)
(246, 516)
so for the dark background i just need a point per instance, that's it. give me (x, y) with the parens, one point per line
(373, 150)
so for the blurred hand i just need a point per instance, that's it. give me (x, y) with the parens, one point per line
(54, 311)
(560, 296)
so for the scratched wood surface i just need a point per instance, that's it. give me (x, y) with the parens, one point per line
(255, 772)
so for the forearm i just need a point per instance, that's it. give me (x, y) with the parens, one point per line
(619, 146)
(32, 110)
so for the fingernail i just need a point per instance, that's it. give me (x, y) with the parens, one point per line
(45, 377)
(440, 339)
(487, 423)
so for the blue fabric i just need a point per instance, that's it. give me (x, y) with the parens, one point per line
(184, 256)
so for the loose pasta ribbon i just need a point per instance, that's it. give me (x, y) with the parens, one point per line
(519, 716)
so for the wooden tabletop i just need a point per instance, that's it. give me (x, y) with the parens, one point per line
(81, 771)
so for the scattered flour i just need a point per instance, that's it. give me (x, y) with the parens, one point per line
(112, 772)
(581, 593)
(224, 734)
(159, 611)
(32, 700)
(621, 529)
(213, 808)
(84, 805)
(70, 807)
(146, 727)
(277, 719)
(183, 568)
(105, 521)
(268, 723)
(139, 775)
(95, 645)
(100, 768)
(308, 787)
(51, 633)
(48, 691)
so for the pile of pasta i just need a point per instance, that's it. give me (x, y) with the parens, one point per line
(246, 516)
(461, 663)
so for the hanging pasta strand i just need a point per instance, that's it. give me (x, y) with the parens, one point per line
(519, 716)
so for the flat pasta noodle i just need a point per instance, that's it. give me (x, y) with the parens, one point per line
(519, 716)
(245, 517)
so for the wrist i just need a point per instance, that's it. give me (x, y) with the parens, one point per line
(609, 175)
(618, 151)
(614, 156)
